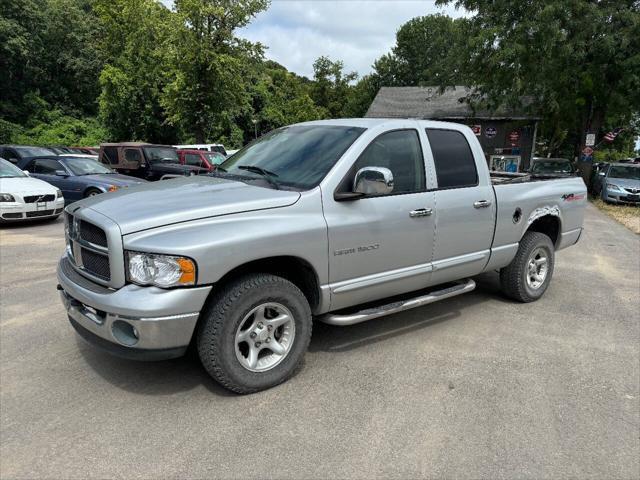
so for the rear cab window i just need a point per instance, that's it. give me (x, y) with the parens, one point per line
(453, 159)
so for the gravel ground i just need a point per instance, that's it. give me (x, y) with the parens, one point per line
(628, 215)
(473, 387)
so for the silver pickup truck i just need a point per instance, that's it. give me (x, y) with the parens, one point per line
(340, 221)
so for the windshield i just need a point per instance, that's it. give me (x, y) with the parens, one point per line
(552, 166)
(161, 154)
(215, 158)
(85, 166)
(298, 156)
(8, 170)
(33, 151)
(619, 171)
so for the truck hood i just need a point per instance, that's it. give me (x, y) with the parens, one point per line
(155, 204)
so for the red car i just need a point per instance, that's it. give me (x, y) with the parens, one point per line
(201, 158)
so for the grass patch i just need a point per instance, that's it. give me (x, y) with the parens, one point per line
(628, 215)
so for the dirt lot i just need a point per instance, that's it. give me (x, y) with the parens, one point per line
(472, 387)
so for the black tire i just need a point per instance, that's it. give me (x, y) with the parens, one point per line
(223, 316)
(91, 192)
(513, 278)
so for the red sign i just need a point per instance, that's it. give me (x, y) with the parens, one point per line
(587, 151)
(514, 137)
(476, 129)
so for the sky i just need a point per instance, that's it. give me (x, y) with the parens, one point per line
(357, 32)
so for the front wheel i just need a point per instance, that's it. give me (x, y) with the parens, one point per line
(254, 333)
(528, 275)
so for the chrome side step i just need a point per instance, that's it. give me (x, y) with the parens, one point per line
(399, 306)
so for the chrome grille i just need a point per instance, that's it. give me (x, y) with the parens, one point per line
(92, 234)
(39, 198)
(87, 248)
(95, 263)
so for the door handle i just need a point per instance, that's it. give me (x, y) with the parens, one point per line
(420, 212)
(482, 204)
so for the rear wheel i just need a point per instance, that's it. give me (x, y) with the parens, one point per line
(528, 275)
(254, 333)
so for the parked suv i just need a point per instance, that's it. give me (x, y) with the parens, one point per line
(145, 160)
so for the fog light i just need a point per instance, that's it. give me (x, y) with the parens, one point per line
(125, 333)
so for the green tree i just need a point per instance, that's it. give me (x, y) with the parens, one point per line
(134, 40)
(579, 60)
(331, 86)
(209, 65)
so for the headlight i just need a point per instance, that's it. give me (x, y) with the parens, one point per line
(112, 188)
(5, 197)
(613, 186)
(160, 270)
(58, 193)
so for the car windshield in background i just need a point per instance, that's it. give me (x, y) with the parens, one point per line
(297, 156)
(161, 154)
(8, 170)
(552, 166)
(85, 166)
(215, 158)
(34, 151)
(619, 171)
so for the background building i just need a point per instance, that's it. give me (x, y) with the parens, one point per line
(507, 136)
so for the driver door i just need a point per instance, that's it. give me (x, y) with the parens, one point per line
(378, 245)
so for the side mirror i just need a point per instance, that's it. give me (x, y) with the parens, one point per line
(373, 181)
(61, 173)
(26, 172)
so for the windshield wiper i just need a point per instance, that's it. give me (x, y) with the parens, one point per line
(266, 174)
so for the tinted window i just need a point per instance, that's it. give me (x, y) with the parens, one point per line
(111, 155)
(9, 170)
(400, 152)
(619, 171)
(132, 155)
(85, 166)
(33, 151)
(192, 159)
(455, 165)
(300, 156)
(46, 166)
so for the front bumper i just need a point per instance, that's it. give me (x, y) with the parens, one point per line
(16, 211)
(617, 196)
(146, 323)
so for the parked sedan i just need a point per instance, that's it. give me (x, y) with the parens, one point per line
(77, 176)
(619, 183)
(24, 198)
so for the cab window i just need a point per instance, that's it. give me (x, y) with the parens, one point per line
(132, 155)
(400, 152)
(193, 159)
(46, 166)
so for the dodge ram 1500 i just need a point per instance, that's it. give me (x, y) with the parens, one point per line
(340, 221)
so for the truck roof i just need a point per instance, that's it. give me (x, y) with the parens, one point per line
(376, 122)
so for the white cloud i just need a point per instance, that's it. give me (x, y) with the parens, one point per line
(357, 32)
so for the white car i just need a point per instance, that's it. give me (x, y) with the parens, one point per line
(26, 198)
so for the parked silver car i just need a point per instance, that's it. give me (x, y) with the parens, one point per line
(619, 183)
